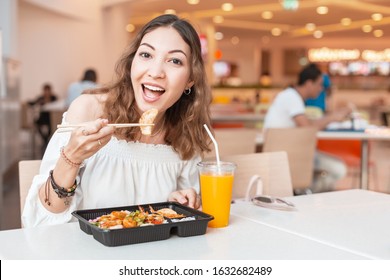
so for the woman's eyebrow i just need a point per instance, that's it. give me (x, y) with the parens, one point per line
(172, 51)
(178, 51)
(146, 44)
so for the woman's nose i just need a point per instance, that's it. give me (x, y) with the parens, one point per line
(156, 71)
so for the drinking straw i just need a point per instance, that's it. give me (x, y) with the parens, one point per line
(214, 142)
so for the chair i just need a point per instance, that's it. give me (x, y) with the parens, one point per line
(233, 141)
(350, 152)
(272, 168)
(300, 144)
(27, 170)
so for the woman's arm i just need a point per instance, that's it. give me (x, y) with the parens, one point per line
(83, 143)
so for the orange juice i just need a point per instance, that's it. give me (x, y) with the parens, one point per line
(216, 193)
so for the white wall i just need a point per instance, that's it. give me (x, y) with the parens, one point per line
(115, 37)
(244, 55)
(72, 8)
(57, 48)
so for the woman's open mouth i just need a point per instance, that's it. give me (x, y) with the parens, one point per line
(152, 93)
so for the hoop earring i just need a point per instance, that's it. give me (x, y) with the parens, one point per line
(187, 91)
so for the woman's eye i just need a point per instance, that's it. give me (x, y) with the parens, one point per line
(176, 61)
(144, 54)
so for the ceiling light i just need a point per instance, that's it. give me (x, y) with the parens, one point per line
(367, 28)
(218, 19)
(227, 7)
(218, 36)
(130, 28)
(318, 34)
(346, 21)
(322, 10)
(377, 16)
(267, 15)
(378, 33)
(235, 40)
(310, 26)
(170, 12)
(276, 31)
(193, 2)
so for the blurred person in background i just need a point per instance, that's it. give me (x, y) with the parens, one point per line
(75, 89)
(321, 100)
(288, 110)
(43, 121)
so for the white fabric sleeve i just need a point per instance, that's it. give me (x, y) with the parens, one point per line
(189, 177)
(34, 213)
(296, 106)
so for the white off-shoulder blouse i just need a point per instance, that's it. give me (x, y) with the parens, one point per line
(121, 173)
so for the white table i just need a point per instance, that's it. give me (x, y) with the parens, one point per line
(349, 135)
(357, 221)
(253, 233)
(242, 239)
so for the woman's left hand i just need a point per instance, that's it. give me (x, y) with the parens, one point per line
(187, 197)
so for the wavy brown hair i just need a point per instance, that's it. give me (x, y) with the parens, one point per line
(183, 121)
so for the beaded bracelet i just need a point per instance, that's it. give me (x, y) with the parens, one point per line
(67, 160)
(60, 191)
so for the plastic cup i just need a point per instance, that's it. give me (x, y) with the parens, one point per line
(216, 184)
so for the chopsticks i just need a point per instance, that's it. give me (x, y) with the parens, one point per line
(70, 127)
(110, 124)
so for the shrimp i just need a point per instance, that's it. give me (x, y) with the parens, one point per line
(148, 118)
(167, 213)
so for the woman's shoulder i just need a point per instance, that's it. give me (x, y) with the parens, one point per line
(86, 107)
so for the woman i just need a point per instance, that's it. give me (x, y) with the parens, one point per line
(98, 166)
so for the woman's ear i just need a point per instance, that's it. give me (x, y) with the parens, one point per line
(190, 84)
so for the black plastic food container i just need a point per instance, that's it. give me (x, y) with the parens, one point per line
(125, 236)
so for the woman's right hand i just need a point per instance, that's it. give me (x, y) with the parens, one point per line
(89, 139)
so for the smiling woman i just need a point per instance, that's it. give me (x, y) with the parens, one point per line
(102, 166)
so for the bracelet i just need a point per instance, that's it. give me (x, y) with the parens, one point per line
(67, 160)
(60, 191)
(47, 192)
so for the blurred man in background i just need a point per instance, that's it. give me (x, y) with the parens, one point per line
(288, 110)
(321, 100)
